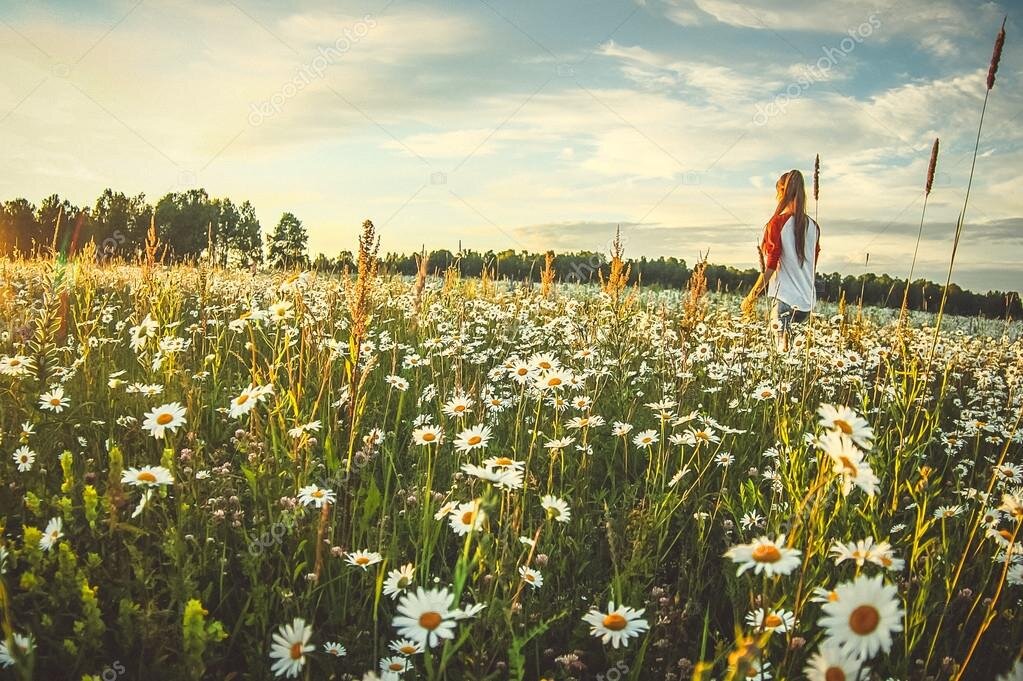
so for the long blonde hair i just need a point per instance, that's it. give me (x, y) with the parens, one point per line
(792, 191)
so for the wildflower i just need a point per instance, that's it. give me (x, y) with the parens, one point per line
(472, 438)
(864, 617)
(428, 435)
(290, 644)
(459, 406)
(830, 663)
(398, 580)
(556, 509)
(771, 620)
(467, 518)
(335, 649)
(766, 556)
(616, 625)
(147, 476)
(52, 534)
(845, 421)
(17, 365)
(363, 559)
(848, 463)
(425, 617)
(54, 401)
(281, 312)
(646, 438)
(619, 429)
(314, 495)
(169, 416)
(531, 577)
(244, 403)
(24, 645)
(394, 665)
(24, 458)
(404, 646)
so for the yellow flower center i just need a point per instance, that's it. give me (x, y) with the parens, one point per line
(475, 440)
(467, 517)
(317, 494)
(843, 426)
(430, 620)
(766, 553)
(834, 674)
(503, 461)
(864, 619)
(296, 650)
(164, 419)
(848, 467)
(145, 476)
(522, 371)
(459, 409)
(429, 437)
(772, 621)
(408, 650)
(396, 666)
(242, 399)
(55, 401)
(361, 560)
(614, 622)
(554, 381)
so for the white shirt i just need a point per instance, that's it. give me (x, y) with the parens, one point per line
(792, 283)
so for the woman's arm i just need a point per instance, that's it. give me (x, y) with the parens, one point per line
(762, 281)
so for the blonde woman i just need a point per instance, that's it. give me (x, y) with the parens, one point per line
(791, 246)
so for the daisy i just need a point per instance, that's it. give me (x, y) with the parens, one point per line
(472, 438)
(314, 495)
(467, 518)
(290, 644)
(363, 559)
(244, 403)
(169, 416)
(504, 462)
(558, 444)
(766, 556)
(335, 649)
(531, 577)
(24, 457)
(619, 429)
(830, 663)
(521, 372)
(403, 646)
(645, 438)
(425, 617)
(147, 476)
(459, 406)
(428, 435)
(54, 401)
(847, 462)
(864, 617)
(21, 642)
(774, 620)
(18, 365)
(398, 580)
(52, 534)
(617, 625)
(555, 508)
(281, 312)
(845, 421)
(394, 665)
(554, 380)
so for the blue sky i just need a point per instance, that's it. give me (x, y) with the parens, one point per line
(532, 125)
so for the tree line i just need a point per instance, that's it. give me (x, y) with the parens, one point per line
(194, 225)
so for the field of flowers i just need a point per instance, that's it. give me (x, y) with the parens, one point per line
(214, 474)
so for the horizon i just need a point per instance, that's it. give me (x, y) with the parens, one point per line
(534, 128)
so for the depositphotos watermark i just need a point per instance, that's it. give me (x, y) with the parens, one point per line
(312, 71)
(816, 72)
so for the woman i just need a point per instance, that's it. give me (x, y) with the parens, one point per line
(789, 273)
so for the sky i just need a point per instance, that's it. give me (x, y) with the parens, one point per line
(535, 124)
